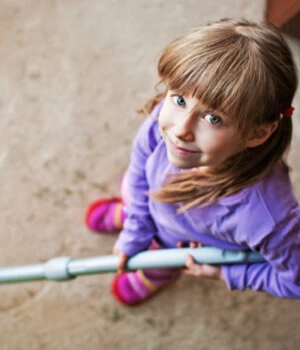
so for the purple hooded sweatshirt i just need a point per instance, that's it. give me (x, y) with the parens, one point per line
(264, 217)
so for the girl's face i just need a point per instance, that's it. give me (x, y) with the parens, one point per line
(196, 138)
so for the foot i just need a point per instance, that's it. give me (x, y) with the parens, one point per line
(105, 215)
(133, 288)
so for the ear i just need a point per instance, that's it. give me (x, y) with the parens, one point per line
(261, 134)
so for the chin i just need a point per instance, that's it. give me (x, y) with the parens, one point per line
(183, 165)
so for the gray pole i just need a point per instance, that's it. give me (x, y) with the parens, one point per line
(64, 268)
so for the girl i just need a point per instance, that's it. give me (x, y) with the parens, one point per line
(207, 168)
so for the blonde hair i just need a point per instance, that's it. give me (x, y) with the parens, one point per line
(246, 71)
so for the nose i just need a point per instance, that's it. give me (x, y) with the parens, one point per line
(185, 128)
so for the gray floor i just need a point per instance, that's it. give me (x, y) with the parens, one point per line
(71, 74)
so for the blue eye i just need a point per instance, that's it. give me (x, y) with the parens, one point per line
(179, 100)
(212, 119)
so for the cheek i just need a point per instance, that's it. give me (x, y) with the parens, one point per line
(209, 138)
(217, 142)
(229, 146)
(164, 119)
(161, 124)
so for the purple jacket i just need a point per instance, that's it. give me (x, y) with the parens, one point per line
(264, 217)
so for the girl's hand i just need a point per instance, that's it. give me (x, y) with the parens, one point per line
(200, 270)
(123, 258)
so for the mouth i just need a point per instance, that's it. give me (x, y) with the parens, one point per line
(181, 150)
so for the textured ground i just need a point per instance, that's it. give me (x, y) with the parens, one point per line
(71, 74)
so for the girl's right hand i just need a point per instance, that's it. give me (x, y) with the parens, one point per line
(122, 261)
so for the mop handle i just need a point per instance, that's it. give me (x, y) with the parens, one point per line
(65, 268)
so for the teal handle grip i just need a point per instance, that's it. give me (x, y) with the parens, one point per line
(169, 258)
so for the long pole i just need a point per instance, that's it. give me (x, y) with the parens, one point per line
(65, 268)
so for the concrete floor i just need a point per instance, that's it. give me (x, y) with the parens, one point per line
(71, 74)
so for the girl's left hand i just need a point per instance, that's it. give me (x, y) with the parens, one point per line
(200, 270)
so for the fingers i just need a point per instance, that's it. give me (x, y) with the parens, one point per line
(180, 244)
(122, 261)
(121, 265)
(192, 244)
(202, 270)
(192, 267)
(195, 244)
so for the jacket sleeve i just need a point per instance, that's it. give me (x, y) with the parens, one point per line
(139, 227)
(280, 274)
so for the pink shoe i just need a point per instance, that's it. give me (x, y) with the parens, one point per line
(134, 288)
(105, 215)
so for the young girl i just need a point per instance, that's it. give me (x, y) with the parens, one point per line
(207, 166)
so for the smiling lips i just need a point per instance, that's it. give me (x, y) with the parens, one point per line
(182, 151)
